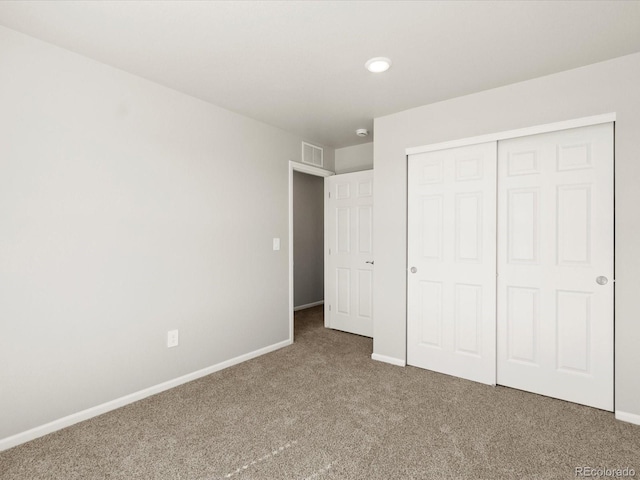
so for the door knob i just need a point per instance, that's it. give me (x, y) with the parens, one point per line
(369, 261)
(601, 280)
(414, 269)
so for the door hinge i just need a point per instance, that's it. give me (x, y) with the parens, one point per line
(329, 307)
(329, 251)
(329, 194)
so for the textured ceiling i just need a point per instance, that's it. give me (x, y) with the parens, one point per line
(300, 65)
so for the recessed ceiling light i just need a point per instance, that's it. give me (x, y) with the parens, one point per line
(378, 64)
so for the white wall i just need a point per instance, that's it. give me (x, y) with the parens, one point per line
(128, 209)
(355, 158)
(612, 86)
(308, 239)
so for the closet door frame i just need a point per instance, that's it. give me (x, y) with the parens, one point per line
(521, 132)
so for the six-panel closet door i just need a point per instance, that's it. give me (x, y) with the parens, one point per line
(451, 323)
(555, 264)
(524, 297)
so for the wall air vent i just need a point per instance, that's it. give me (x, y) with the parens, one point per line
(312, 155)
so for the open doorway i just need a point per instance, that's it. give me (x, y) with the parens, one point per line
(306, 238)
(308, 241)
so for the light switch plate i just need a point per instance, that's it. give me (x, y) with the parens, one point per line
(172, 338)
(276, 244)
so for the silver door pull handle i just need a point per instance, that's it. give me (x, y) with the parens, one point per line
(414, 269)
(369, 261)
(601, 280)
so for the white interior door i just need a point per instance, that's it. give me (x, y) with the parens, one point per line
(349, 254)
(555, 243)
(451, 317)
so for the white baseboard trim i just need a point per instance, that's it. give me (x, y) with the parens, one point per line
(628, 417)
(392, 360)
(308, 305)
(74, 418)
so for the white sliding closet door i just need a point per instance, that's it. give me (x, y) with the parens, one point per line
(451, 323)
(555, 264)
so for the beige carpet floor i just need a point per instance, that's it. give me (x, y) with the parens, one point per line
(322, 409)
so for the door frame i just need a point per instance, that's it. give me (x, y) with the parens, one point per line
(310, 170)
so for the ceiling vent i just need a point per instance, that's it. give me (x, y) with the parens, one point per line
(312, 155)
